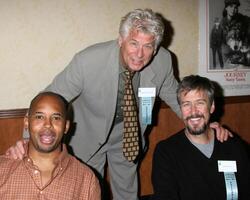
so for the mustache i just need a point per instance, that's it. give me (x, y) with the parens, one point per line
(194, 116)
(47, 132)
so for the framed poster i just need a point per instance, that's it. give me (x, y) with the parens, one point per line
(224, 44)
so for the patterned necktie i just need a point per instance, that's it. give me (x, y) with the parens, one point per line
(131, 129)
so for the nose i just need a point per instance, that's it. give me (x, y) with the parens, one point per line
(234, 10)
(47, 123)
(140, 52)
(193, 109)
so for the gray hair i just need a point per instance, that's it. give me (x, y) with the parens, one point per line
(145, 21)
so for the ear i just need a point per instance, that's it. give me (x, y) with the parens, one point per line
(26, 122)
(155, 50)
(120, 41)
(67, 127)
(212, 108)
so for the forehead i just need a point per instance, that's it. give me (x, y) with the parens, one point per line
(141, 36)
(45, 102)
(193, 95)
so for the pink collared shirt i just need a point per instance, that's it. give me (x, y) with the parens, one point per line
(71, 180)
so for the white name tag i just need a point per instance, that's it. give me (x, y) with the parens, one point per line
(146, 92)
(227, 166)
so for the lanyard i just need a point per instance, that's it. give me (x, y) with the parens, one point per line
(231, 186)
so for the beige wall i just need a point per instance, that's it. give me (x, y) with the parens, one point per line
(39, 38)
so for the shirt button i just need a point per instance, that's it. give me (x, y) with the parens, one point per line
(36, 172)
(41, 192)
(28, 160)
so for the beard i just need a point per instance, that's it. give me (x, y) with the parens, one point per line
(49, 149)
(195, 129)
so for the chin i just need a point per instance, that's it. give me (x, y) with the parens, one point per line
(197, 130)
(136, 68)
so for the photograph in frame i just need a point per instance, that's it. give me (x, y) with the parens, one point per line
(224, 39)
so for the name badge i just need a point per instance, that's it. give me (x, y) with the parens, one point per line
(227, 166)
(146, 95)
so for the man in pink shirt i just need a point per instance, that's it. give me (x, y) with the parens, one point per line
(47, 170)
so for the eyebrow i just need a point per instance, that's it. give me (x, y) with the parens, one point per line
(38, 112)
(132, 39)
(35, 113)
(194, 100)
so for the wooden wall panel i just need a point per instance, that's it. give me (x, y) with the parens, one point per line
(11, 134)
(11, 127)
(237, 118)
(235, 115)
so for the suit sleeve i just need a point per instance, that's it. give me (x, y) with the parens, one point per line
(169, 86)
(69, 83)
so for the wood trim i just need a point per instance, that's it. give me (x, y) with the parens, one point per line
(16, 113)
(237, 99)
(226, 100)
(13, 113)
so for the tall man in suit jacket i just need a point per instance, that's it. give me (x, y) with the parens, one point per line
(95, 76)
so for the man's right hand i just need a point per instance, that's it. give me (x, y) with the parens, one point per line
(17, 151)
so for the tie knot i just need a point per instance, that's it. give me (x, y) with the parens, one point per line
(129, 75)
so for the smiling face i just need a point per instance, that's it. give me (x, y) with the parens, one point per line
(196, 110)
(46, 124)
(137, 49)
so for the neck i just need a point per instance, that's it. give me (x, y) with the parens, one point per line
(45, 162)
(203, 138)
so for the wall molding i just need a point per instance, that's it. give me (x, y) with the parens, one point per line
(17, 113)
(13, 113)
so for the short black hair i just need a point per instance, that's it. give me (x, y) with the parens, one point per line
(48, 93)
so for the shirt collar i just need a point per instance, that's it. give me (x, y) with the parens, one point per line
(61, 161)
